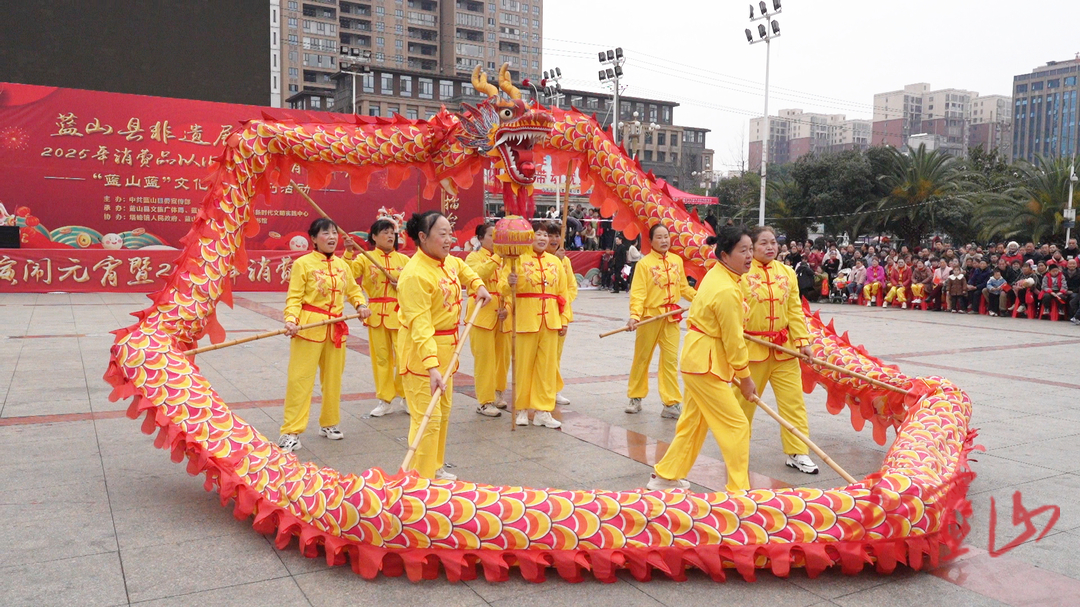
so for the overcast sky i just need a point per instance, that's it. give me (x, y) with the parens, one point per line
(830, 58)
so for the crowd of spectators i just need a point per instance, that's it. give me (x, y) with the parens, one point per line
(999, 279)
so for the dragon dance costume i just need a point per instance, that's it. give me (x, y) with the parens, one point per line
(429, 296)
(318, 288)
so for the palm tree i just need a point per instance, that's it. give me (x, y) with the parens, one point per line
(925, 192)
(1032, 209)
(780, 193)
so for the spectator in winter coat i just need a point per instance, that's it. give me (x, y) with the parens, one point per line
(994, 293)
(856, 280)
(957, 289)
(1054, 289)
(922, 281)
(977, 280)
(1072, 280)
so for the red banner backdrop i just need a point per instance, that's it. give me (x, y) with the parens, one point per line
(91, 170)
(123, 271)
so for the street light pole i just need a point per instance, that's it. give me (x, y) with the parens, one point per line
(765, 34)
(615, 59)
(1070, 213)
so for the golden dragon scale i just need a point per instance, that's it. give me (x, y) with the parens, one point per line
(912, 511)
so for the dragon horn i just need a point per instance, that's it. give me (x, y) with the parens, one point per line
(480, 83)
(506, 84)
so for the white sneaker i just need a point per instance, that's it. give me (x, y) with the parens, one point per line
(442, 475)
(634, 406)
(500, 400)
(543, 418)
(869, 303)
(916, 302)
(331, 432)
(561, 400)
(659, 483)
(903, 306)
(671, 411)
(884, 304)
(382, 409)
(802, 463)
(522, 418)
(1021, 309)
(488, 410)
(289, 442)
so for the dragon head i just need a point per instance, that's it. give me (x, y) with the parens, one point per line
(505, 128)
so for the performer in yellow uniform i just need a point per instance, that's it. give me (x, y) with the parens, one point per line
(541, 309)
(772, 292)
(383, 298)
(713, 355)
(658, 286)
(490, 336)
(429, 295)
(555, 248)
(319, 286)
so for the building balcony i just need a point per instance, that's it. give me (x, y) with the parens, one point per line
(467, 34)
(425, 65)
(359, 26)
(424, 5)
(423, 34)
(423, 49)
(471, 6)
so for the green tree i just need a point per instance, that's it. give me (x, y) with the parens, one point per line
(832, 186)
(925, 192)
(781, 192)
(1032, 209)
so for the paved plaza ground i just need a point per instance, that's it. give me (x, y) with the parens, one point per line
(93, 514)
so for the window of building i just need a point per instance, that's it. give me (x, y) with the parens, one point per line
(575, 100)
(648, 138)
(591, 103)
(316, 102)
(293, 22)
(380, 57)
(1053, 84)
(410, 113)
(293, 5)
(446, 89)
(1036, 86)
(491, 7)
(380, 11)
(293, 39)
(426, 88)
(666, 113)
(661, 157)
(380, 26)
(368, 82)
(391, 110)
(380, 41)
(536, 9)
(1070, 81)
(701, 137)
(294, 72)
(294, 88)
(400, 14)
(293, 56)
(674, 158)
(399, 58)
(373, 110)
(648, 155)
(661, 138)
(387, 84)
(652, 113)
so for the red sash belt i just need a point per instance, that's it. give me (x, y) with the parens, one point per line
(669, 307)
(696, 329)
(383, 300)
(453, 331)
(558, 298)
(338, 330)
(778, 338)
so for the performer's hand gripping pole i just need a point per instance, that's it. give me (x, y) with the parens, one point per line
(244, 340)
(646, 321)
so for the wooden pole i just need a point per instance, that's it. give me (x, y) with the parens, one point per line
(827, 365)
(646, 321)
(345, 234)
(438, 392)
(244, 340)
(513, 345)
(809, 443)
(566, 205)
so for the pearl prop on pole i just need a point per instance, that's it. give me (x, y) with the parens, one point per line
(766, 36)
(513, 238)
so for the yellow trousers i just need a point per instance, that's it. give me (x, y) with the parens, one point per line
(537, 366)
(666, 334)
(918, 290)
(305, 357)
(871, 290)
(559, 384)
(382, 344)
(491, 353)
(710, 405)
(786, 379)
(897, 293)
(431, 452)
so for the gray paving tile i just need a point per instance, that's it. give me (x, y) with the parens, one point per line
(340, 586)
(282, 591)
(80, 582)
(922, 589)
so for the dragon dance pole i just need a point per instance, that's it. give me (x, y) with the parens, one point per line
(439, 391)
(244, 340)
(825, 364)
(345, 234)
(646, 321)
(566, 205)
(792, 429)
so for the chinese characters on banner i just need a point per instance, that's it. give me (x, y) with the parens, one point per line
(91, 170)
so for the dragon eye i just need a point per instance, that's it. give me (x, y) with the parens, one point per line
(506, 113)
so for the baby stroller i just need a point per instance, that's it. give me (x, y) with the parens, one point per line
(838, 287)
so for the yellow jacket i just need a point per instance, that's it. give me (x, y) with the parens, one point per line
(571, 287)
(543, 296)
(659, 284)
(489, 267)
(714, 343)
(382, 298)
(320, 282)
(429, 296)
(772, 292)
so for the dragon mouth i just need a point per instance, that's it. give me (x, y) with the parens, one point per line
(515, 146)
